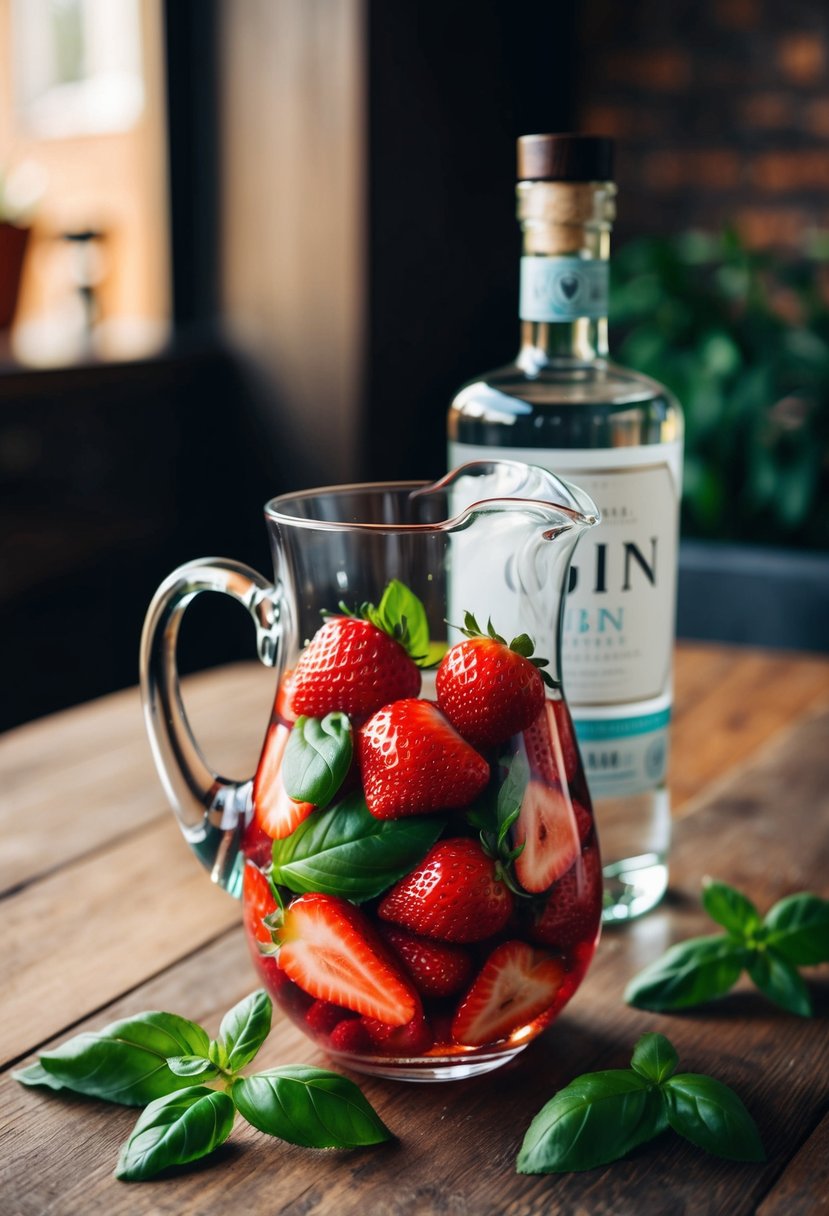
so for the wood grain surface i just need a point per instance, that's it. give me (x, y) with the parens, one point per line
(109, 915)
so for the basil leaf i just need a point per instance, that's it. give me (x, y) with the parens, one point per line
(775, 976)
(798, 928)
(401, 614)
(595, 1119)
(729, 908)
(317, 758)
(174, 1130)
(36, 1074)
(244, 1029)
(192, 1066)
(654, 1057)
(434, 653)
(688, 973)
(216, 1054)
(483, 814)
(510, 795)
(494, 813)
(346, 851)
(310, 1107)
(126, 1062)
(710, 1115)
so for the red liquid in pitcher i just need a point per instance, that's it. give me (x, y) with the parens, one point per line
(442, 900)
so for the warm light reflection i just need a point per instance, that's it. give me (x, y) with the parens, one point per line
(82, 156)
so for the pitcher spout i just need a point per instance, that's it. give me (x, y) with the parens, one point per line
(500, 517)
(489, 487)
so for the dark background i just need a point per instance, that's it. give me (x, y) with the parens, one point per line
(123, 471)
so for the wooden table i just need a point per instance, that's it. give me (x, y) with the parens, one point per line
(106, 914)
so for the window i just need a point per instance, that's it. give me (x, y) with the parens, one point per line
(82, 111)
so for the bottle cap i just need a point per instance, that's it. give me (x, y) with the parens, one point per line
(565, 158)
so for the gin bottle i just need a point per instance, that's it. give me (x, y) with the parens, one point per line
(565, 405)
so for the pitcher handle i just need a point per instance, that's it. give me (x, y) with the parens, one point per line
(212, 811)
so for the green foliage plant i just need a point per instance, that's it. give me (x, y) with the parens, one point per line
(741, 336)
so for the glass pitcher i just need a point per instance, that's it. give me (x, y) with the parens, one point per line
(416, 853)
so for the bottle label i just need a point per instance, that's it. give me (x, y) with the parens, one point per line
(618, 634)
(563, 288)
(626, 752)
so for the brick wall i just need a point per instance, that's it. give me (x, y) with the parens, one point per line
(721, 110)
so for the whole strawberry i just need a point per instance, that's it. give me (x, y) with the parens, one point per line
(550, 743)
(489, 689)
(454, 895)
(353, 666)
(438, 968)
(552, 754)
(413, 762)
(351, 1036)
(413, 1039)
(274, 811)
(365, 658)
(258, 902)
(572, 912)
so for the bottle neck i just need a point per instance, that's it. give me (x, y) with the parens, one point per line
(564, 271)
(543, 342)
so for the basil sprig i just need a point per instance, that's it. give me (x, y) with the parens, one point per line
(345, 851)
(602, 1116)
(795, 933)
(186, 1117)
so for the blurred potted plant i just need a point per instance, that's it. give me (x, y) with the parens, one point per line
(742, 337)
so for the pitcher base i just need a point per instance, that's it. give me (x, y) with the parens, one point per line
(424, 1068)
(632, 887)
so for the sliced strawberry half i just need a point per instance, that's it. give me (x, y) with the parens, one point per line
(275, 813)
(573, 911)
(414, 761)
(546, 827)
(283, 706)
(328, 947)
(437, 968)
(516, 985)
(257, 902)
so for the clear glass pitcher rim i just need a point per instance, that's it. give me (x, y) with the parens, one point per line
(273, 511)
(275, 508)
